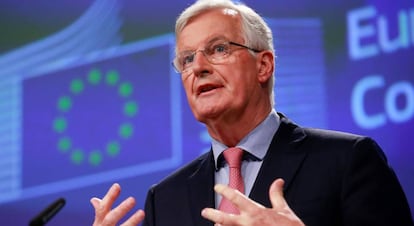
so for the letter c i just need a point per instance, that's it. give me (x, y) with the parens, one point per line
(357, 102)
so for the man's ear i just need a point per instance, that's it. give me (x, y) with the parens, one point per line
(265, 65)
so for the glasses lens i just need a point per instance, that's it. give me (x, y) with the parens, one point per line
(215, 52)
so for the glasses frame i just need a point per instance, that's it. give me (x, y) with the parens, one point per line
(174, 62)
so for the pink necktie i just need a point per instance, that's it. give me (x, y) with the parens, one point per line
(233, 157)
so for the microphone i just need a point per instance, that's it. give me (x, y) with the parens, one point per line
(43, 217)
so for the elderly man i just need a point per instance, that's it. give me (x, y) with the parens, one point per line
(277, 172)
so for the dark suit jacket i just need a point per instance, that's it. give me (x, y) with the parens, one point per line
(331, 178)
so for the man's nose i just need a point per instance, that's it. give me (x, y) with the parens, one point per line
(200, 62)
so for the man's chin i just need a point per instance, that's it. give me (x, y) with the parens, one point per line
(206, 116)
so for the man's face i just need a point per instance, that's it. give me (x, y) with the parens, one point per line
(218, 91)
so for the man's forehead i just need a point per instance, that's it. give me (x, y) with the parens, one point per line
(225, 30)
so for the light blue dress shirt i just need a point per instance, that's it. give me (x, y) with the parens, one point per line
(257, 143)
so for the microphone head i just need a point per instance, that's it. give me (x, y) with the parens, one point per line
(43, 217)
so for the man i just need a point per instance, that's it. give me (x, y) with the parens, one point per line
(292, 175)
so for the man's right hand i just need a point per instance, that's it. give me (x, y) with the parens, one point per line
(105, 215)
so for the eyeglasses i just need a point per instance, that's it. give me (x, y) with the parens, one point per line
(215, 53)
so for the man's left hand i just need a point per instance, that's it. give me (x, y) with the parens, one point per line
(251, 212)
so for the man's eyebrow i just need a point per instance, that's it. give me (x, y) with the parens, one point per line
(209, 42)
(217, 38)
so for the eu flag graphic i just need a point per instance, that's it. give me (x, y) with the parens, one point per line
(97, 117)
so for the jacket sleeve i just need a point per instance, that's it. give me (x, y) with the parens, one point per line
(371, 192)
(149, 219)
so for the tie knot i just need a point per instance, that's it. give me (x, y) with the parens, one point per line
(233, 157)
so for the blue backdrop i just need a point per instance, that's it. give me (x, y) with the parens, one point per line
(88, 96)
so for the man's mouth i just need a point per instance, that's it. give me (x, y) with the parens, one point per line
(206, 88)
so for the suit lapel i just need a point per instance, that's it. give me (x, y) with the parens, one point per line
(200, 187)
(281, 161)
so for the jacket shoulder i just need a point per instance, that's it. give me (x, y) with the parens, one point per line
(180, 175)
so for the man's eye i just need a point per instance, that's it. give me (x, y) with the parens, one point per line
(220, 48)
(187, 59)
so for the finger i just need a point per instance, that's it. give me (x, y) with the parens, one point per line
(95, 202)
(120, 211)
(103, 206)
(135, 219)
(110, 197)
(218, 217)
(243, 203)
(276, 194)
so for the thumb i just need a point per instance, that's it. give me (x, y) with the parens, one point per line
(95, 202)
(276, 194)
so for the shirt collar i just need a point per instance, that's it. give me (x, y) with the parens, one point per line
(256, 143)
